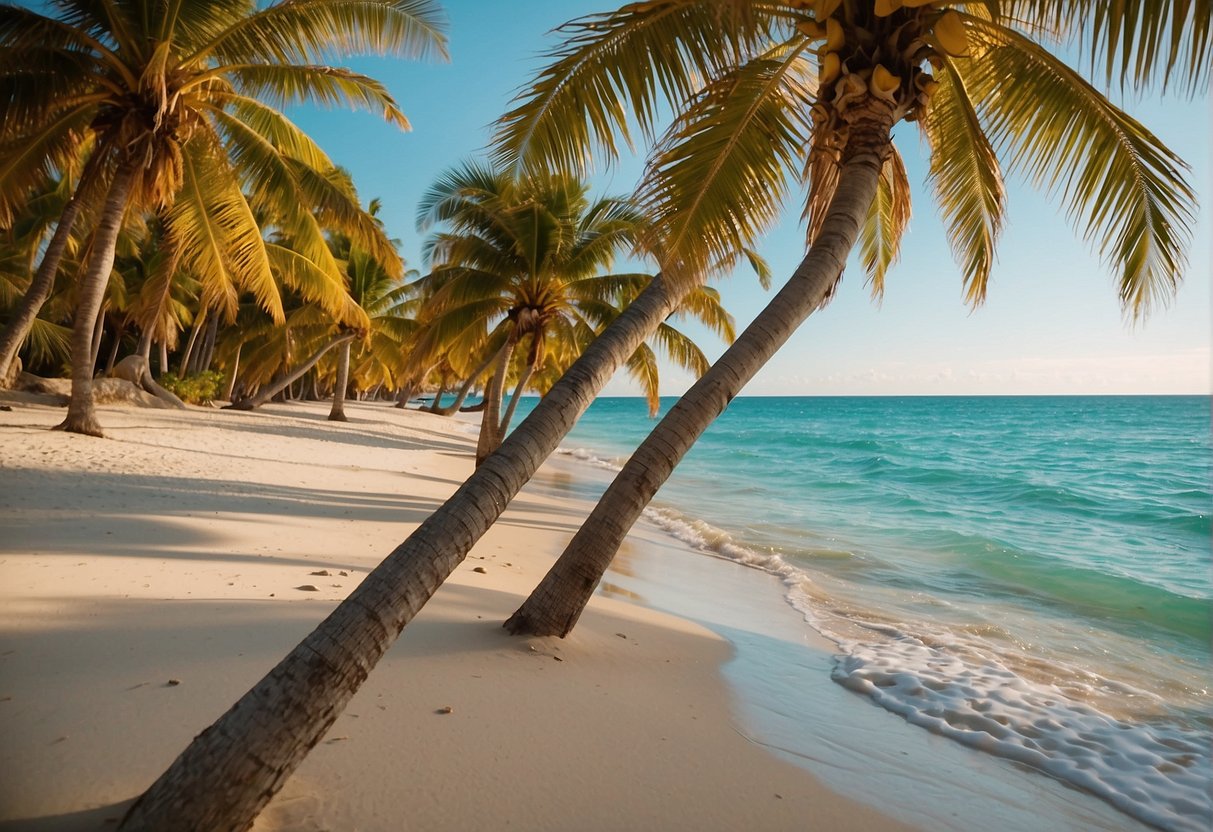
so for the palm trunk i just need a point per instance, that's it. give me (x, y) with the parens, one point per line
(231, 384)
(232, 769)
(467, 387)
(275, 387)
(164, 356)
(532, 360)
(98, 334)
(490, 421)
(183, 368)
(436, 404)
(337, 414)
(81, 416)
(558, 601)
(208, 345)
(39, 290)
(113, 356)
(410, 389)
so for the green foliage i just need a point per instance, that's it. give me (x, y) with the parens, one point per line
(200, 388)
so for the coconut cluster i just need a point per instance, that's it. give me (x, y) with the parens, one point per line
(880, 48)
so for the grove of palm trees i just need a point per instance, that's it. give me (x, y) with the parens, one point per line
(318, 357)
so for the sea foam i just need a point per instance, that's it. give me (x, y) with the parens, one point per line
(1159, 774)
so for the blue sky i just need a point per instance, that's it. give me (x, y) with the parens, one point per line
(1052, 323)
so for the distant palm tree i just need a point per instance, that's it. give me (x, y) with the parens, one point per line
(844, 73)
(21, 244)
(391, 303)
(173, 95)
(233, 767)
(521, 264)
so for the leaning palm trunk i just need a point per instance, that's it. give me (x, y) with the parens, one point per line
(81, 416)
(454, 406)
(233, 768)
(557, 602)
(337, 414)
(39, 290)
(410, 388)
(275, 387)
(490, 420)
(436, 402)
(518, 388)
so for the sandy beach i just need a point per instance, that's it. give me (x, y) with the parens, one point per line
(151, 577)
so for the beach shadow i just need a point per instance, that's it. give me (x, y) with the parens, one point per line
(358, 430)
(138, 515)
(86, 820)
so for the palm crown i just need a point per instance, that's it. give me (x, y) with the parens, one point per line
(526, 259)
(766, 96)
(188, 94)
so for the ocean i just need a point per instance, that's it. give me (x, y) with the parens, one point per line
(1028, 576)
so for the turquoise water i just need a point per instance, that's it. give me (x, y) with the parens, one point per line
(1030, 576)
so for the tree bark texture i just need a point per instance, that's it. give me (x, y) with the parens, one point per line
(275, 387)
(98, 334)
(81, 416)
(232, 769)
(558, 601)
(490, 420)
(39, 289)
(337, 413)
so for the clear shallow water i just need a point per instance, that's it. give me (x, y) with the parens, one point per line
(1028, 576)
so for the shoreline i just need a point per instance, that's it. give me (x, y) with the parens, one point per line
(780, 673)
(178, 549)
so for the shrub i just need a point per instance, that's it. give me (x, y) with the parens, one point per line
(200, 388)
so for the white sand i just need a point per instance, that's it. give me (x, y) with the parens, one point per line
(174, 549)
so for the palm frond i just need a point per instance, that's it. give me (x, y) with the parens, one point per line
(719, 176)
(275, 128)
(317, 285)
(1137, 42)
(330, 196)
(29, 161)
(642, 367)
(48, 342)
(888, 216)
(24, 30)
(311, 32)
(704, 305)
(287, 85)
(618, 66)
(220, 239)
(1121, 186)
(681, 350)
(966, 177)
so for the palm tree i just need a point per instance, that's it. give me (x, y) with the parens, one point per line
(520, 267)
(390, 303)
(21, 242)
(1124, 188)
(230, 770)
(173, 95)
(521, 259)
